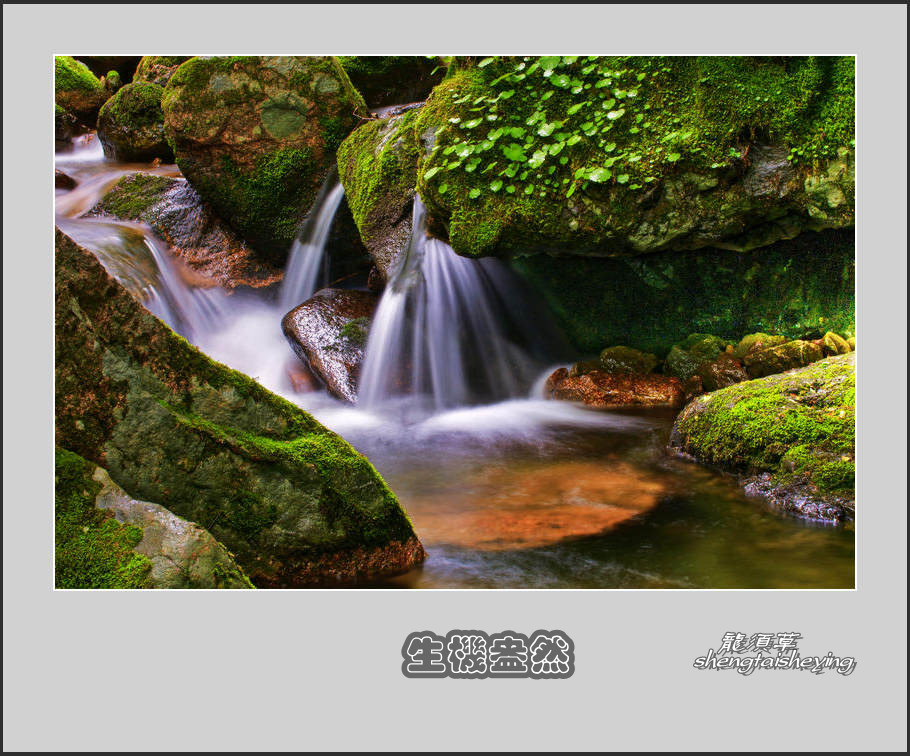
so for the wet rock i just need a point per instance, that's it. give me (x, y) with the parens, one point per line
(131, 124)
(832, 344)
(77, 90)
(610, 390)
(756, 342)
(377, 165)
(177, 214)
(791, 434)
(792, 354)
(583, 367)
(722, 372)
(256, 137)
(329, 332)
(685, 358)
(393, 79)
(294, 502)
(621, 359)
(158, 69)
(65, 127)
(62, 181)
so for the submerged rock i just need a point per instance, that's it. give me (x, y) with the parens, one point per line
(610, 390)
(158, 69)
(256, 136)
(377, 165)
(793, 433)
(329, 333)
(621, 359)
(77, 90)
(792, 354)
(294, 502)
(150, 548)
(131, 124)
(176, 213)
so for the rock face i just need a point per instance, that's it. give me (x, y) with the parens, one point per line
(65, 127)
(794, 288)
(158, 69)
(131, 124)
(329, 333)
(392, 79)
(77, 90)
(602, 390)
(174, 211)
(777, 359)
(793, 433)
(611, 156)
(377, 165)
(293, 501)
(256, 136)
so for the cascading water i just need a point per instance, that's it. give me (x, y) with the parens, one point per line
(450, 331)
(305, 261)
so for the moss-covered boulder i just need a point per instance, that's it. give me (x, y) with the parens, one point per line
(622, 359)
(696, 349)
(112, 82)
(607, 156)
(256, 137)
(77, 90)
(724, 370)
(393, 79)
(158, 69)
(377, 165)
(798, 289)
(198, 237)
(756, 341)
(833, 343)
(106, 539)
(777, 359)
(293, 501)
(131, 124)
(793, 433)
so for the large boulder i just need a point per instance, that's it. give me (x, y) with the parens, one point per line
(792, 434)
(377, 165)
(393, 79)
(131, 124)
(329, 333)
(106, 539)
(158, 69)
(256, 137)
(602, 390)
(606, 156)
(198, 237)
(294, 502)
(77, 90)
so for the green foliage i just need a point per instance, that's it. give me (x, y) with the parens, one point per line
(91, 549)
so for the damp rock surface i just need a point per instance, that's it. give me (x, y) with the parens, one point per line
(601, 390)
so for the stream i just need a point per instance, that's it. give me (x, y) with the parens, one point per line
(506, 490)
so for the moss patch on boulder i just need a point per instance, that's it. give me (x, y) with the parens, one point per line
(158, 69)
(77, 90)
(257, 135)
(293, 501)
(131, 124)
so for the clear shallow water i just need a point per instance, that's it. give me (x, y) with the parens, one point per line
(523, 493)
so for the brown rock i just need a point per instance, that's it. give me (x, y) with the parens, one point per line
(329, 333)
(722, 372)
(605, 390)
(62, 181)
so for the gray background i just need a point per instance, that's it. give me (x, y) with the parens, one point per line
(310, 670)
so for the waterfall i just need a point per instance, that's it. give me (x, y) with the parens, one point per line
(451, 331)
(305, 261)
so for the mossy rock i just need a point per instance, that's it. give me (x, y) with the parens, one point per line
(696, 349)
(605, 156)
(792, 354)
(833, 344)
(77, 90)
(798, 289)
(797, 427)
(158, 69)
(256, 137)
(66, 126)
(756, 341)
(377, 165)
(294, 502)
(621, 359)
(393, 79)
(131, 124)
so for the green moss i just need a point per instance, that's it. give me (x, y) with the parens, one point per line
(696, 349)
(72, 75)
(134, 106)
(794, 424)
(356, 331)
(132, 196)
(621, 359)
(92, 549)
